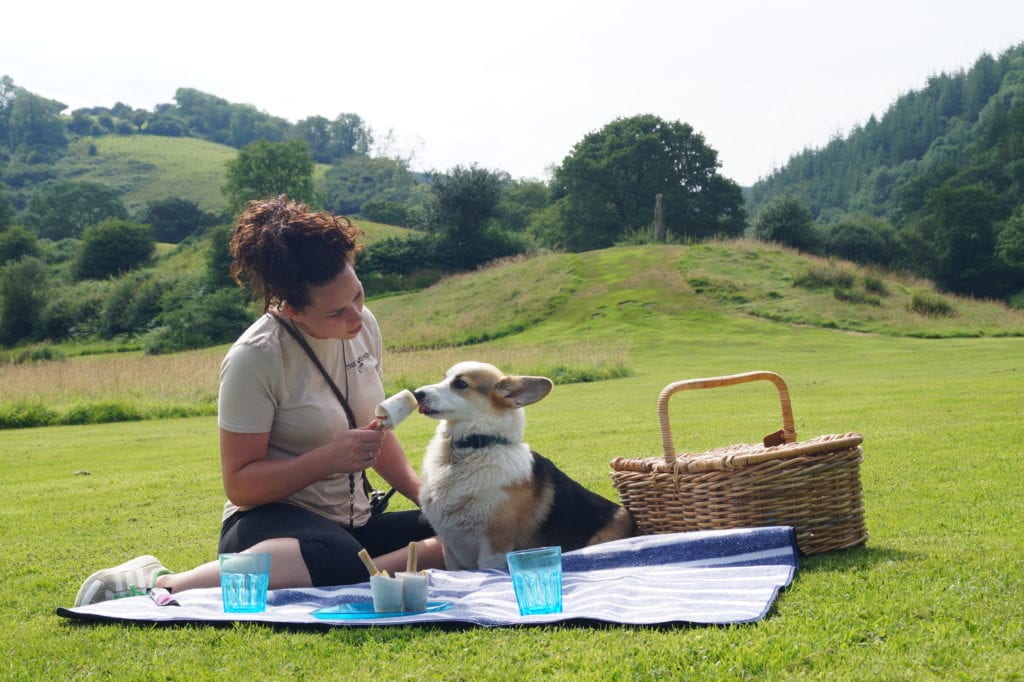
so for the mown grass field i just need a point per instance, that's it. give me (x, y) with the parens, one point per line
(935, 594)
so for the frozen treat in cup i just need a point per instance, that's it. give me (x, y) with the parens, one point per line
(395, 409)
(386, 592)
(414, 590)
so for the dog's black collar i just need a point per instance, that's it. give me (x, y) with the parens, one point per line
(477, 441)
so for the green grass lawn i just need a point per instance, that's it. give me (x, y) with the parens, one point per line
(935, 594)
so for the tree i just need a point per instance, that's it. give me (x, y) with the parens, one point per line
(961, 223)
(35, 123)
(64, 209)
(113, 247)
(350, 135)
(218, 258)
(463, 200)
(612, 176)
(23, 295)
(17, 242)
(6, 210)
(265, 169)
(863, 239)
(174, 218)
(8, 91)
(784, 220)
(1009, 243)
(330, 141)
(352, 181)
(314, 131)
(520, 201)
(462, 205)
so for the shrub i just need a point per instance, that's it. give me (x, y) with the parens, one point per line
(131, 305)
(101, 413)
(113, 247)
(16, 242)
(74, 311)
(784, 220)
(931, 305)
(174, 218)
(856, 296)
(23, 415)
(875, 285)
(400, 255)
(207, 320)
(23, 293)
(818, 277)
(860, 240)
(387, 212)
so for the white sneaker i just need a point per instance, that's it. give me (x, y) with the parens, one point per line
(130, 579)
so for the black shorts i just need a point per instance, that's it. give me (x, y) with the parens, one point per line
(330, 549)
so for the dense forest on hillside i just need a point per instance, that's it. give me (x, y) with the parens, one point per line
(934, 187)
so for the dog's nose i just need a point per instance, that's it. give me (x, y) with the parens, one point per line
(419, 395)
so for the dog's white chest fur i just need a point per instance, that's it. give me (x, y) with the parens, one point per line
(461, 492)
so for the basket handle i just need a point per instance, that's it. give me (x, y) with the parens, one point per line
(788, 430)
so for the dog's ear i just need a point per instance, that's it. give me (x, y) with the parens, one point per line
(521, 391)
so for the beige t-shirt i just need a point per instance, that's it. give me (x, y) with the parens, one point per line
(269, 384)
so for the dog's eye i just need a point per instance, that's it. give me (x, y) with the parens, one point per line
(459, 384)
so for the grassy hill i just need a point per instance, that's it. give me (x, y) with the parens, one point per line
(149, 167)
(611, 292)
(573, 317)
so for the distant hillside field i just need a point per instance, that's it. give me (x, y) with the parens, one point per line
(149, 168)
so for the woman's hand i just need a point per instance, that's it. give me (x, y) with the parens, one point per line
(251, 479)
(355, 449)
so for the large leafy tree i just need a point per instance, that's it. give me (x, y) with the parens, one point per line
(35, 124)
(610, 180)
(64, 209)
(329, 141)
(461, 210)
(266, 169)
(463, 201)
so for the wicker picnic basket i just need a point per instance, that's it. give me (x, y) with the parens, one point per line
(813, 485)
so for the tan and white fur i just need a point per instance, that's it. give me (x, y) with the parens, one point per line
(484, 491)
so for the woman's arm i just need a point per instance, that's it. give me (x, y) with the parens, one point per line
(251, 479)
(394, 467)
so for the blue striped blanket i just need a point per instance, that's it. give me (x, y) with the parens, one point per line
(704, 577)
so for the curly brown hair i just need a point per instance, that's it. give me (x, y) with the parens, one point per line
(280, 248)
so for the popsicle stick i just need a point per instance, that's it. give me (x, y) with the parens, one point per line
(368, 562)
(410, 561)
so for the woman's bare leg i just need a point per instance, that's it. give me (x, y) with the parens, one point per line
(287, 569)
(428, 555)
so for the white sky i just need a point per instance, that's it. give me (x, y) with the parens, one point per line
(514, 85)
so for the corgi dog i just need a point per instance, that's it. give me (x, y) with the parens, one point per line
(484, 491)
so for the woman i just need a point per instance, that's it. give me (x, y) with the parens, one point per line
(292, 454)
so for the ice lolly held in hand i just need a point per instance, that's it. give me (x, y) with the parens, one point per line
(392, 411)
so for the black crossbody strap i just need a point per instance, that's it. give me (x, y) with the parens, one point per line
(297, 335)
(368, 489)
